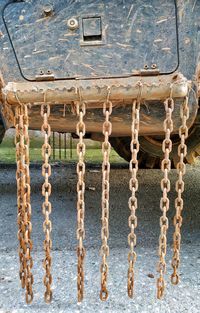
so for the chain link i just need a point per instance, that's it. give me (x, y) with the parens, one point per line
(80, 130)
(24, 206)
(133, 185)
(106, 147)
(181, 170)
(23, 199)
(165, 187)
(46, 206)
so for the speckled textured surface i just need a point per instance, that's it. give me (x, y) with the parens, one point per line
(183, 298)
(132, 35)
(188, 21)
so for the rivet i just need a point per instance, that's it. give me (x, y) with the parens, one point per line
(48, 10)
(154, 66)
(72, 23)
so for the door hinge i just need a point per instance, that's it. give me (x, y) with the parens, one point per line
(44, 77)
(149, 72)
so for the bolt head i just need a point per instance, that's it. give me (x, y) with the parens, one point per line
(72, 23)
(48, 10)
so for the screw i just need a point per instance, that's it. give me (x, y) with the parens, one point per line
(72, 23)
(154, 66)
(48, 10)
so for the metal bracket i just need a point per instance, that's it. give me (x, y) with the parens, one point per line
(45, 77)
(150, 72)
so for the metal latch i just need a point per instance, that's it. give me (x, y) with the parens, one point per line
(92, 31)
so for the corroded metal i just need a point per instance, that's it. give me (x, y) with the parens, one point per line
(80, 131)
(46, 206)
(106, 147)
(181, 170)
(23, 200)
(94, 91)
(133, 186)
(62, 95)
(165, 187)
(152, 52)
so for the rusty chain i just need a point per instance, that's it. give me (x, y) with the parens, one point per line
(133, 186)
(80, 130)
(24, 206)
(165, 187)
(23, 199)
(20, 177)
(46, 206)
(106, 147)
(181, 170)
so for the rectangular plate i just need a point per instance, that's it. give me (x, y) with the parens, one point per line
(136, 34)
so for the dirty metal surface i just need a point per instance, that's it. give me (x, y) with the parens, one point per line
(151, 119)
(188, 40)
(62, 96)
(108, 38)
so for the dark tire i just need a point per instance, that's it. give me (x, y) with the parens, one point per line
(122, 146)
(150, 154)
(2, 129)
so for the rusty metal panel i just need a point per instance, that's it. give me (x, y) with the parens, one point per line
(93, 38)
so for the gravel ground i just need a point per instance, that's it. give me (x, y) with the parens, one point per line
(183, 298)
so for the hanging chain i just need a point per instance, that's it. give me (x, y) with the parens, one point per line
(181, 170)
(20, 177)
(46, 207)
(165, 187)
(133, 185)
(80, 130)
(23, 199)
(106, 147)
